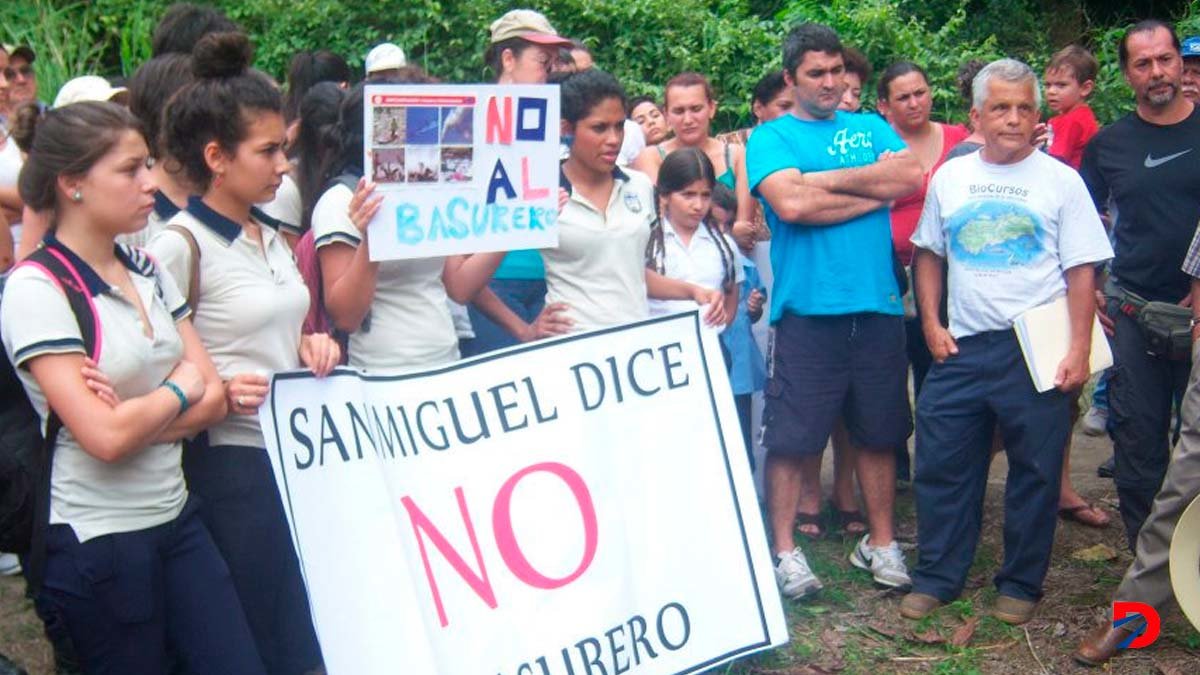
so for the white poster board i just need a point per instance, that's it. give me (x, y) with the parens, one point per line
(462, 168)
(584, 500)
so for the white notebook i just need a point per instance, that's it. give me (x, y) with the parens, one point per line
(1045, 336)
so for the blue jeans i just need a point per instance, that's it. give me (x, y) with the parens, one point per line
(525, 297)
(241, 506)
(134, 602)
(986, 385)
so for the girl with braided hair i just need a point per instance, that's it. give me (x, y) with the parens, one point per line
(685, 243)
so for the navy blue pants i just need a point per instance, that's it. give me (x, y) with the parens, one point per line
(240, 504)
(136, 602)
(1141, 390)
(987, 385)
(525, 297)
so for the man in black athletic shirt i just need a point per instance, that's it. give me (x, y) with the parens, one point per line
(1148, 164)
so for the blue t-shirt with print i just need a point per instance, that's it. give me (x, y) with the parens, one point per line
(844, 268)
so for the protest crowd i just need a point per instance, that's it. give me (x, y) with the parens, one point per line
(175, 239)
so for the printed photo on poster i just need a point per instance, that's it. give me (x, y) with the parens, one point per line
(458, 125)
(456, 164)
(422, 164)
(387, 166)
(422, 126)
(389, 127)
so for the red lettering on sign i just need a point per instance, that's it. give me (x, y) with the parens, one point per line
(500, 121)
(506, 539)
(478, 582)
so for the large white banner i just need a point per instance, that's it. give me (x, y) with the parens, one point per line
(578, 506)
(462, 168)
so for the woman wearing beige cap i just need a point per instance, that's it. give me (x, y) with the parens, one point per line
(522, 49)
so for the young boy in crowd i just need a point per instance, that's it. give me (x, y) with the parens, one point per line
(1070, 77)
(748, 368)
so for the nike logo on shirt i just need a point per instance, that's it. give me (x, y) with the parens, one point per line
(1151, 162)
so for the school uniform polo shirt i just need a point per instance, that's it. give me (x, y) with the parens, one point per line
(93, 497)
(408, 326)
(599, 266)
(250, 306)
(702, 261)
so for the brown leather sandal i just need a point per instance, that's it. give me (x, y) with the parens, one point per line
(810, 520)
(843, 520)
(1077, 514)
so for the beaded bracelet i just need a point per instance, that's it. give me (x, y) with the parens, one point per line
(183, 401)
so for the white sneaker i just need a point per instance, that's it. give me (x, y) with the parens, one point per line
(885, 563)
(10, 565)
(795, 578)
(1095, 422)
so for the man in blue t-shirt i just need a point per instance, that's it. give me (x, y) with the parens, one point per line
(825, 178)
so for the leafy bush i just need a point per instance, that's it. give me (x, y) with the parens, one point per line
(643, 42)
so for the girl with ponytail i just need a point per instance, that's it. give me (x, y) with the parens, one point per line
(226, 130)
(126, 564)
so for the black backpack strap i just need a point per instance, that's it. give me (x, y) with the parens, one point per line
(52, 260)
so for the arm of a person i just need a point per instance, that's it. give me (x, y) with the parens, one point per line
(887, 179)
(211, 408)
(10, 198)
(1073, 372)
(6, 245)
(731, 303)
(745, 201)
(465, 276)
(930, 281)
(1195, 307)
(34, 226)
(105, 432)
(348, 280)
(796, 201)
(647, 162)
(661, 287)
(1081, 291)
(490, 304)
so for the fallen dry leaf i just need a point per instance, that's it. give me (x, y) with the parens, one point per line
(1060, 629)
(962, 634)
(832, 639)
(929, 637)
(1097, 553)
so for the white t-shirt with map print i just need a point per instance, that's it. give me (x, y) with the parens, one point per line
(1009, 233)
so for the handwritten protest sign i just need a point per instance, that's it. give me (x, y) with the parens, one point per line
(462, 169)
(580, 506)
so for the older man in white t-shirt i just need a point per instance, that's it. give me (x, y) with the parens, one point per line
(1018, 230)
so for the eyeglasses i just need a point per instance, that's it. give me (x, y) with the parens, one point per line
(24, 71)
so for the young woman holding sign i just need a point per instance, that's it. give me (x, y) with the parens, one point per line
(130, 569)
(522, 50)
(226, 130)
(394, 311)
(597, 276)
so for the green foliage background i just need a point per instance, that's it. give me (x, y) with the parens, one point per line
(643, 42)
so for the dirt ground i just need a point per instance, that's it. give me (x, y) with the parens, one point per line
(851, 627)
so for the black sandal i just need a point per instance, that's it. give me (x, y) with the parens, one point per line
(810, 520)
(843, 519)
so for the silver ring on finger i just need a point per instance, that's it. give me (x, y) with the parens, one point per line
(241, 402)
